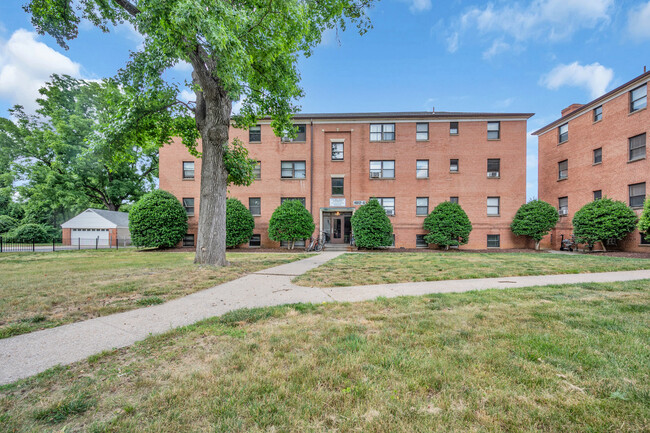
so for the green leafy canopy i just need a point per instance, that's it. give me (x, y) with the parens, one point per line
(603, 219)
(290, 222)
(157, 220)
(371, 227)
(644, 221)
(239, 223)
(534, 219)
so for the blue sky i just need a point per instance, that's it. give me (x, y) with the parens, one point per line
(528, 56)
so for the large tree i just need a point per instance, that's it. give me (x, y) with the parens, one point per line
(243, 50)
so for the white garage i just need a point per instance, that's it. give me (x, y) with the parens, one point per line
(97, 227)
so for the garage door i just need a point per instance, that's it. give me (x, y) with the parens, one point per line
(87, 237)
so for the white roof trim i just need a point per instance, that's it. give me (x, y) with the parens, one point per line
(81, 221)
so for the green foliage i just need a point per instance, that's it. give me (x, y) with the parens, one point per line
(30, 233)
(603, 219)
(448, 225)
(62, 410)
(534, 219)
(644, 221)
(371, 227)
(290, 222)
(157, 220)
(240, 167)
(239, 223)
(7, 223)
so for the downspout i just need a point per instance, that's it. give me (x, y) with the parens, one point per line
(311, 165)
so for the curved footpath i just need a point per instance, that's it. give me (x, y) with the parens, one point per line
(28, 354)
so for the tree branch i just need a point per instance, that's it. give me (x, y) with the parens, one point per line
(128, 7)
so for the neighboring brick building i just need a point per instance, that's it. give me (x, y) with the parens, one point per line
(597, 150)
(411, 161)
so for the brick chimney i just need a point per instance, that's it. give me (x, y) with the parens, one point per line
(570, 108)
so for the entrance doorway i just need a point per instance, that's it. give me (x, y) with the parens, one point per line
(337, 227)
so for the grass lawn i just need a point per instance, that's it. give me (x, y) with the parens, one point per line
(42, 290)
(559, 358)
(382, 268)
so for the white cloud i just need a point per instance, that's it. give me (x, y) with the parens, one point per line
(128, 30)
(182, 66)
(25, 66)
(595, 77)
(498, 47)
(452, 42)
(187, 95)
(531, 161)
(416, 6)
(504, 103)
(638, 19)
(551, 20)
(236, 106)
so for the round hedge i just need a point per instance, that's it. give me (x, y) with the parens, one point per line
(644, 221)
(157, 220)
(7, 223)
(239, 223)
(290, 222)
(534, 219)
(603, 219)
(448, 225)
(371, 227)
(30, 233)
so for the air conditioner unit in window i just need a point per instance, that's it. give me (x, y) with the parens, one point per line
(564, 212)
(390, 212)
(493, 174)
(375, 175)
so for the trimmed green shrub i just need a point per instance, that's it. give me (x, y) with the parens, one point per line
(448, 225)
(7, 223)
(603, 219)
(290, 222)
(371, 227)
(239, 223)
(644, 222)
(157, 220)
(534, 219)
(30, 233)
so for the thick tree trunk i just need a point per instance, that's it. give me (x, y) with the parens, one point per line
(537, 245)
(213, 120)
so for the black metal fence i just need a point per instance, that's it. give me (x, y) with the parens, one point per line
(8, 245)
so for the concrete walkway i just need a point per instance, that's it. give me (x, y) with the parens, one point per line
(28, 354)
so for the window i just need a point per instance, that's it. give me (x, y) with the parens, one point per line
(493, 205)
(382, 132)
(493, 130)
(453, 200)
(188, 204)
(639, 98)
(297, 243)
(453, 165)
(300, 199)
(255, 206)
(598, 155)
(255, 241)
(598, 194)
(257, 170)
(453, 128)
(188, 169)
(337, 186)
(422, 206)
(188, 240)
(382, 169)
(255, 134)
(598, 113)
(563, 133)
(637, 194)
(563, 206)
(422, 131)
(388, 203)
(301, 134)
(294, 170)
(645, 238)
(494, 241)
(637, 147)
(563, 169)
(337, 151)
(422, 168)
(420, 242)
(493, 167)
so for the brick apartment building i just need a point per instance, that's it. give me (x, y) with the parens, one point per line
(410, 161)
(597, 150)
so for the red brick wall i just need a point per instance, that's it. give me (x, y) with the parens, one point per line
(65, 236)
(612, 176)
(471, 184)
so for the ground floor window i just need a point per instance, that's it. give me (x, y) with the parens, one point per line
(494, 241)
(420, 242)
(188, 240)
(645, 238)
(255, 241)
(298, 243)
(300, 199)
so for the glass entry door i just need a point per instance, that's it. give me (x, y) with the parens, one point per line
(337, 230)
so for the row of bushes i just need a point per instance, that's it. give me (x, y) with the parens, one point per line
(159, 220)
(12, 229)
